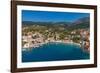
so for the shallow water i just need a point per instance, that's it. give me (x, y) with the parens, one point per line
(54, 52)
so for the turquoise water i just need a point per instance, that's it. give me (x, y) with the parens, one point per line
(54, 52)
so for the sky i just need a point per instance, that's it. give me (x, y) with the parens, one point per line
(48, 16)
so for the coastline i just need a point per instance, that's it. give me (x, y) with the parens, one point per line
(46, 42)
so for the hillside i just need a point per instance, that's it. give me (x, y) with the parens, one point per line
(78, 24)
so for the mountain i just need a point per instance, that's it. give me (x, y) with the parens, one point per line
(29, 23)
(81, 20)
(80, 23)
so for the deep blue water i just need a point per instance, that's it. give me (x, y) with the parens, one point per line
(54, 52)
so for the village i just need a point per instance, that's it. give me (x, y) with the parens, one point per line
(79, 37)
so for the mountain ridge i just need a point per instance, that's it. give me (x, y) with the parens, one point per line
(79, 23)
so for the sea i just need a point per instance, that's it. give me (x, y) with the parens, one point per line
(54, 52)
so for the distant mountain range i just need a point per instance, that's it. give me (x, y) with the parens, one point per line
(28, 23)
(80, 23)
(81, 20)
